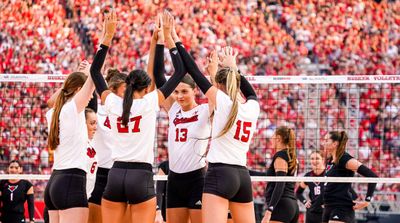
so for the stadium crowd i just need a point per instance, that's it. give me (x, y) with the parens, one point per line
(290, 38)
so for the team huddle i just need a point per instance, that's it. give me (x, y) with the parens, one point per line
(104, 152)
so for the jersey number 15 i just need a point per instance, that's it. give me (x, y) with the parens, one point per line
(242, 131)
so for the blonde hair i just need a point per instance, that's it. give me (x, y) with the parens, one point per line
(230, 78)
(289, 139)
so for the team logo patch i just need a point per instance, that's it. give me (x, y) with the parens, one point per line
(91, 152)
(12, 188)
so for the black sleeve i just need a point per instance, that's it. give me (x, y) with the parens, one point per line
(176, 78)
(93, 103)
(95, 69)
(247, 89)
(193, 70)
(161, 187)
(31, 206)
(277, 193)
(366, 172)
(158, 71)
(257, 173)
(300, 196)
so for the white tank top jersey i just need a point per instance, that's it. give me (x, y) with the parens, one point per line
(188, 136)
(135, 142)
(73, 136)
(91, 168)
(102, 139)
(232, 147)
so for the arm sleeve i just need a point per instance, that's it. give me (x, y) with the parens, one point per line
(93, 103)
(31, 207)
(161, 187)
(300, 195)
(247, 89)
(193, 70)
(176, 78)
(159, 77)
(95, 69)
(277, 193)
(366, 172)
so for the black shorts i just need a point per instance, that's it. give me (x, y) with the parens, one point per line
(286, 210)
(66, 189)
(231, 182)
(313, 217)
(99, 186)
(130, 182)
(184, 190)
(343, 214)
(13, 218)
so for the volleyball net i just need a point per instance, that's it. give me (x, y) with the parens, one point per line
(366, 107)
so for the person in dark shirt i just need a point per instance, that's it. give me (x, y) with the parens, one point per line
(337, 197)
(314, 204)
(280, 198)
(14, 194)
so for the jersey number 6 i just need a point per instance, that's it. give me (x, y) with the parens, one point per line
(242, 128)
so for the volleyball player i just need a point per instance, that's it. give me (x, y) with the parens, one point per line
(132, 120)
(188, 134)
(161, 188)
(13, 195)
(314, 205)
(65, 194)
(91, 125)
(227, 181)
(280, 198)
(338, 203)
(116, 83)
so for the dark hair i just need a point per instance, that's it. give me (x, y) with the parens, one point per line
(230, 78)
(289, 139)
(137, 80)
(15, 161)
(111, 72)
(341, 138)
(71, 84)
(187, 79)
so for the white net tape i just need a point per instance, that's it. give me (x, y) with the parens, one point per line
(254, 179)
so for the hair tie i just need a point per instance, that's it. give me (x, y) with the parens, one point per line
(64, 91)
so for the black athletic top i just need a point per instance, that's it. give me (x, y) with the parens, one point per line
(288, 192)
(316, 189)
(338, 194)
(13, 196)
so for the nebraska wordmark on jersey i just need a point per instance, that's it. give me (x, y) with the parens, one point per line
(188, 136)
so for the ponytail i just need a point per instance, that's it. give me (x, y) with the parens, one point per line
(292, 150)
(71, 84)
(127, 104)
(341, 138)
(137, 80)
(289, 139)
(232, 83)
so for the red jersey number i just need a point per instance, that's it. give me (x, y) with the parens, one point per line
(181, 135)
(242, 131)
(125, 129)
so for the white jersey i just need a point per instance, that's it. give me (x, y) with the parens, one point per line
(232, 147)
(188, 135)
(135, 142)
(102, 139)
(91, 168)
(73, 137)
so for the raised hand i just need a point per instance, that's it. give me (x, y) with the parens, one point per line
(212, 64)
(229, 57)
(109, 27)
(84, 67)
(167, 21)
(158, 32)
